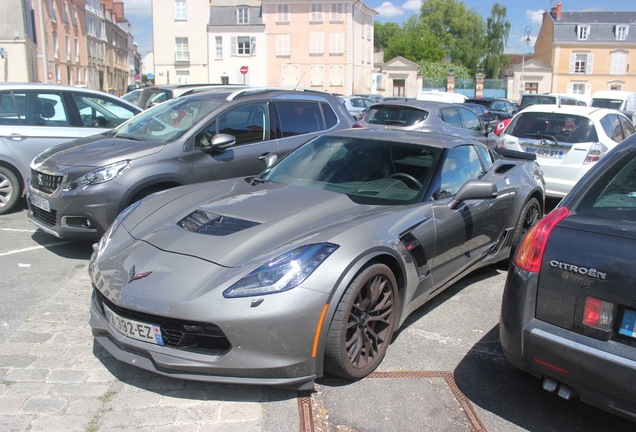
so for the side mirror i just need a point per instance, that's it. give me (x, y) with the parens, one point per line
(474, 189)
(489, 128)
(217, 143)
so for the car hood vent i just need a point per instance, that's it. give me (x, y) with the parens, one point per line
(204, 222)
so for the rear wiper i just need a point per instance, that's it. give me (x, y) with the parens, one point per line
(130, 137)
(550, 137)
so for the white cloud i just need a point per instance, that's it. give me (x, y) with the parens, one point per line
(388, 10)
(535, 16)
(415, 5)
(137, 7)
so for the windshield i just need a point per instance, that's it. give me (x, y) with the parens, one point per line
(607, 103)
(368, 171)
(527, 100)
(395, 115)
(170, 120)
(553, 126)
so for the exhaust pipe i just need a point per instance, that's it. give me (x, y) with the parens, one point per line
(564, 390)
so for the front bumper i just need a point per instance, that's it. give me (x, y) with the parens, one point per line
(257, 355)
(602, 372)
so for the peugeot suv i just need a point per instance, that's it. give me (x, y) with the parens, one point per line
(78, 188)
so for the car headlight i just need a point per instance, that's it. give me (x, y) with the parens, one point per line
(99, 175)
(103, 242)
(282, 273)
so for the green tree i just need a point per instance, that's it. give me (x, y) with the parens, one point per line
(415, 42)
(383, 33)
(461, 30)
(431, 69)
(497, 31)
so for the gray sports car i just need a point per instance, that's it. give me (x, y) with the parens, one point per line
(312, 265)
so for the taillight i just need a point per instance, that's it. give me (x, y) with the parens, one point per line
(530, 252)
(598, 313)
(596, 152)
(356, 126)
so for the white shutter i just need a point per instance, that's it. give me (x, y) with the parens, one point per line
(588, 90)
(317, 73)
(590, 63)
(572, 61)
(233, 46)
(570, 89)
(253, 45)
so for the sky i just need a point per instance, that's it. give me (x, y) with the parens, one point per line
(520, 15)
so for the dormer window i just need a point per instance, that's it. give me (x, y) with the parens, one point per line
(621, 32)
(243, 15)
(583, 32)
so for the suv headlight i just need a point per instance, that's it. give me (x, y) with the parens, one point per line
(100, 175)
(282, 273)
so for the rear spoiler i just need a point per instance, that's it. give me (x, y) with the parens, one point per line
(514, 154)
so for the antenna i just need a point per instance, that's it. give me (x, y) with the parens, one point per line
(301, 78)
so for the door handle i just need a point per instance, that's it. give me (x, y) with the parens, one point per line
(16, 137)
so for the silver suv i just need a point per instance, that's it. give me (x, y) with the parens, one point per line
(78, 188)
(33, 117)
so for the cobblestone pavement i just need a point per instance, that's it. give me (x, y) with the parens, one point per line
(55, 378)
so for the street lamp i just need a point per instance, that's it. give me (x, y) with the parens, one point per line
(527, 41)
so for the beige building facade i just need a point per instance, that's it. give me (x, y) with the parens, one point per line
(588, 51)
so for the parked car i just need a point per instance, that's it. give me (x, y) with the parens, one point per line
(500, 108)
(451, 119)
(614, 99)
(374, 97)
(132, 96)
(154, 95)
(484, 114)
(356, 105)
(33, 117)
(312, 265)
(569, 303)
(501, 126)
(545, 99)
(568, 140)
(78, 188)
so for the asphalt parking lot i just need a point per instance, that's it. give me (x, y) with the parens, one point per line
(444, 370)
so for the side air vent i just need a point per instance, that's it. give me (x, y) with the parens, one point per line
(504, 168)
(204, 222)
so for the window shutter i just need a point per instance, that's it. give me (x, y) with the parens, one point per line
(588, 90)
(572, 61)
(233, 46)
(570, 89)
(590, 64)
(253, 45)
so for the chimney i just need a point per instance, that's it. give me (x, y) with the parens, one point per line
(556, 11)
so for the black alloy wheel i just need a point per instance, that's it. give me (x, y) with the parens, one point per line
(530, 215)
(363, 325)
(9, 190)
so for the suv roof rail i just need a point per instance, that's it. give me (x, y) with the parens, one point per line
(255, 90)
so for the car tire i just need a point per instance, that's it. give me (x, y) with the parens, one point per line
(9, 190)
(363, 324)
(529, 216)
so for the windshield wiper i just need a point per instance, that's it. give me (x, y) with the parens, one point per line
(256, 180)
(550, 137)
(130, 137)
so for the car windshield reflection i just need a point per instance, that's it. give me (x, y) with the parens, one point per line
(368, 171)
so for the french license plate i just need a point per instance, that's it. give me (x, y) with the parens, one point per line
(40, 202)
(134, 329)
(554, 154)
(627, 326)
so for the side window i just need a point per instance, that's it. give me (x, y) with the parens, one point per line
(612, 127)
(101, 112)
(470, 120)
(450, 116)
(8, 110)
(299, 117)
(330, 117)
(486, 157)
(628, 127)
(248, 123)
(461, 165)
(41, 108)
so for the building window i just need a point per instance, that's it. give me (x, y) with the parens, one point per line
(317, 75)
(52, 13)
(57, 74)
(64, 13)
(183, 77)
(243, 15)
(77, 52)
(180, 10)
(219, 47)
(225, 80)
(583, 32)
(291, 75)
(316, 14)
(619, 63)
(56, 48)
(316, 43)
(532, 88)
(282, 13)
(67, 39)
(181, 49)
(399, 87)
(74, 16)
(336, 75)
(618, 87)
(283, 45)
(243, 46)
(336, 43)
(581, 63)
(621, 32)
(578, 89)
(337, 13)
